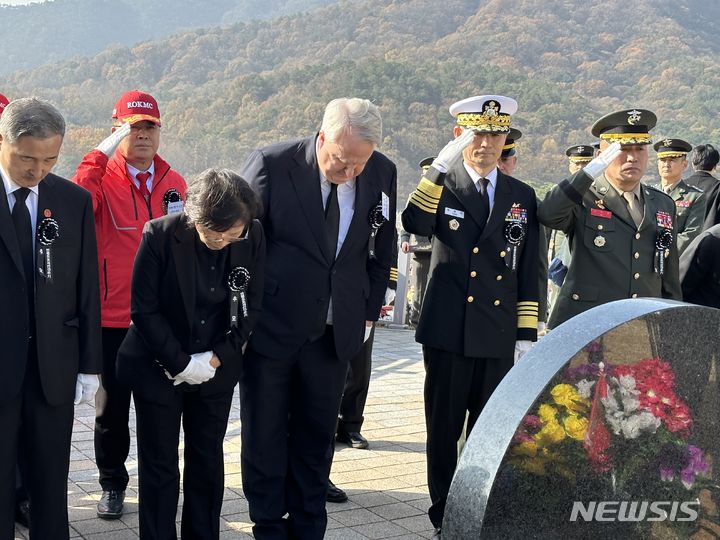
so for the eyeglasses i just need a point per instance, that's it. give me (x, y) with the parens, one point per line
(222, 238)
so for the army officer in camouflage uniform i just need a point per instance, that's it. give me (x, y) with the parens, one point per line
(480, 311)
(621, 233)
(689, 200)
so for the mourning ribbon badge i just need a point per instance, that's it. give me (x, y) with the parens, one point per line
(377, 219)
(238, 281)
(48, 230)
(515, 230)
(663, 240)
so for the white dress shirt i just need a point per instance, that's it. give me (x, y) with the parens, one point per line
(492, 182)
(134, 172)
(346, 202)
(31, 201)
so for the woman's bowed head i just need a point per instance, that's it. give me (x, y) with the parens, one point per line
(220, 204)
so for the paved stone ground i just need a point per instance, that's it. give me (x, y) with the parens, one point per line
(386, 484)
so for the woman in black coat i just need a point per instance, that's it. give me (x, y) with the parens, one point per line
(196, 293)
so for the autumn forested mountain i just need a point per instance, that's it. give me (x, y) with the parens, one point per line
(60, 29)
(225, 90)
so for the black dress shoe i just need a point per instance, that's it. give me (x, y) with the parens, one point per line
(353, 439)
(22, 513)
(437, 534)
(111, 504)
(335, 494)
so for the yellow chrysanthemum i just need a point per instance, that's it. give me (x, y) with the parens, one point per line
(547, 413)
(576, 427)
(567, 396)
(551, 433)
(528, 449)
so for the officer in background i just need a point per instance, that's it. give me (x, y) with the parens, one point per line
(480, 312)
(621, 233)
(421, 250)
(689, 200)
(508, 158)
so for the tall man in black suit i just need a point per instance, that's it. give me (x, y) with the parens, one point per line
(50, 322)
(325, 280)
(480, 312)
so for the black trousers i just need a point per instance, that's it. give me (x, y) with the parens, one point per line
(357, 385)
(112, 414)
(455, 385)
(42, 433)
(204, 420)
(289, 409)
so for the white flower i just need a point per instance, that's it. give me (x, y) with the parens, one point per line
(584, 388)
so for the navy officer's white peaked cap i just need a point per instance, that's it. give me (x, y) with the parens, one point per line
(485, 113)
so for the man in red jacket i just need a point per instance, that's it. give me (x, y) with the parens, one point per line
(130, 184)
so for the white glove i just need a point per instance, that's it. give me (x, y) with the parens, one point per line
(389, 296)
(109, 145)
(368, 329)
(521, 347)
(597, 166)
(452, 151)
(541, 329)
(86, 387)
(198, 369)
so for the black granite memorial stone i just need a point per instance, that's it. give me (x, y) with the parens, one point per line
(607, 428)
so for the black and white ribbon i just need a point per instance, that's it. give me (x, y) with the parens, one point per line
(662, 247)
(238, 281)
(48, 231)
(377, 220)
(514, 234)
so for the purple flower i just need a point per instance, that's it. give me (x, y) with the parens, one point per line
(666, 474)
(694, 465)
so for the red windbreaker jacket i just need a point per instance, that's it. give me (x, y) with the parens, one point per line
(120, 214)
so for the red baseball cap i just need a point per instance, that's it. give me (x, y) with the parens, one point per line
(135, 106)
(3, 103)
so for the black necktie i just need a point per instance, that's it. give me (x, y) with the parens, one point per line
(332, 219)
(484, 199)
(23, 231)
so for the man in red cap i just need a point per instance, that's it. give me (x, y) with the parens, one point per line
(130, 184)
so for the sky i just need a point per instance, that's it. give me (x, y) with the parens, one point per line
(19, 2)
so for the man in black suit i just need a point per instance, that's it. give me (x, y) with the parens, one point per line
(704, 158)
(325, 280)
(480, 311)
(50, 323)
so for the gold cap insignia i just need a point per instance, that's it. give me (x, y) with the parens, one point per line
(634, 117)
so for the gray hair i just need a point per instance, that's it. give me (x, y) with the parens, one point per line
(218, 198)
(352, 115)
(31, 117)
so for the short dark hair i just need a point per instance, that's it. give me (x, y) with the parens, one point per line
(704, 157)
(218, 198)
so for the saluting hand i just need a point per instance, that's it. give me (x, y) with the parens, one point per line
(109, 144)
(452, 151)
(597, 166)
